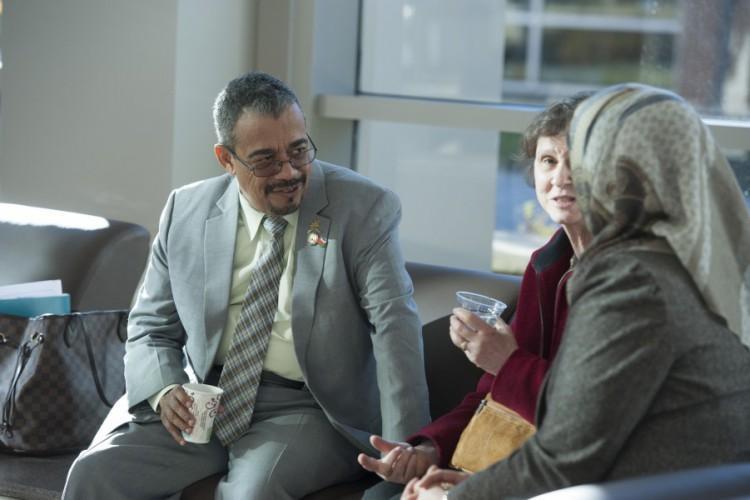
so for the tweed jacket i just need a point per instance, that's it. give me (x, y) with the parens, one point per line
(538, 326)
(647, 380)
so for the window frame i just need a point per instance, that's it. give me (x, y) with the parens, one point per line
(730, 134)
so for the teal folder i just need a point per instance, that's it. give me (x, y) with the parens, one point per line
(34, 306)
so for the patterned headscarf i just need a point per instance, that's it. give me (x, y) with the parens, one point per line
(645, 165)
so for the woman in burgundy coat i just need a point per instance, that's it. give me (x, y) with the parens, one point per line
(515, 357)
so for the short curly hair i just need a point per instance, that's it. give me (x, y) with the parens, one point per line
(254, 91)
(554, 120)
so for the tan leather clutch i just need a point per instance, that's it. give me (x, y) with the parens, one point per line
(494, 432)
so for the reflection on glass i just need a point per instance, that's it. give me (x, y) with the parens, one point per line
(415, 48)
(534, 52)
(445, 178)
(518, 4)
(570, 56)
(740, 163)
(636, 8)
(515, 53)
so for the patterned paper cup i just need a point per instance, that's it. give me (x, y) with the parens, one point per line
(205, 405)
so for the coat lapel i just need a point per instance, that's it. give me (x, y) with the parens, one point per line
(310, 248)
(218, 256)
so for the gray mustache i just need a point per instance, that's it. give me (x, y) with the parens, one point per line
(285, 184)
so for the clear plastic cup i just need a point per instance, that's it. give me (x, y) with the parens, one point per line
(487, 308)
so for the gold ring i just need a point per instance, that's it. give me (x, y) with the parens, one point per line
(464, 345)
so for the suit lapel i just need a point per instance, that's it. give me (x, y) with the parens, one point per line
(218, 256)
(310, 248)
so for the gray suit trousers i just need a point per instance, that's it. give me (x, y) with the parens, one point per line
(291, 450)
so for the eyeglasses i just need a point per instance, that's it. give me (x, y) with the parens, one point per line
(268, 166)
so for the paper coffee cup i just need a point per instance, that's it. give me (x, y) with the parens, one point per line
(205, 405)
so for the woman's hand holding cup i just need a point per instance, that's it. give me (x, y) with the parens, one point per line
(471, 330)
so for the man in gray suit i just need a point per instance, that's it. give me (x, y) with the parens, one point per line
(343, 359)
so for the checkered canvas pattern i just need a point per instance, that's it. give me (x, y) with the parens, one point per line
(48, 396)
(240, 377)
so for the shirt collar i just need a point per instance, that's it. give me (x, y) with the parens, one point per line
(254, 218)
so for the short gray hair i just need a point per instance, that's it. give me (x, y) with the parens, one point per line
(255, 91)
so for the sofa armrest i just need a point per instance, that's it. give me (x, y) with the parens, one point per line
(98, 260)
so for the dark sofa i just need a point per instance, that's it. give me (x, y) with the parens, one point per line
(100, 262)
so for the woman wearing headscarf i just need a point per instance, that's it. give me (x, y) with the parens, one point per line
(653, 374)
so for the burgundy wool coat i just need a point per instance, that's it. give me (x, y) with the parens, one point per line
(538, 325)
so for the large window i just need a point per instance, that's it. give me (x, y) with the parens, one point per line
(465, 198)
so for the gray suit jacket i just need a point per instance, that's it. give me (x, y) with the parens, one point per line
(647, 380)
(356, 331)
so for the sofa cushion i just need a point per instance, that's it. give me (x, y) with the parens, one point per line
(100, 262)
(33, 478)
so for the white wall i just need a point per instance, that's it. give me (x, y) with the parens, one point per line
(106, 105)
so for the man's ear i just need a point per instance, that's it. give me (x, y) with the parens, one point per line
(224, 157)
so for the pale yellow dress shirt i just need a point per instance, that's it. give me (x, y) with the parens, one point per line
(280, 357)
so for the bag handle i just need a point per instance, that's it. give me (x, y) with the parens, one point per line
(8, 417)
(90, 354)
(122, 326)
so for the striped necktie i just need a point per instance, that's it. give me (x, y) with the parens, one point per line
(240, 377)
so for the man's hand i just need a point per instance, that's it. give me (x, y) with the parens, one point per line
(433, 484)
(487, 347)
(399, 462)
(174, 409)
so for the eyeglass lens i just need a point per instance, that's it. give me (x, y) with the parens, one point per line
(270, 166)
